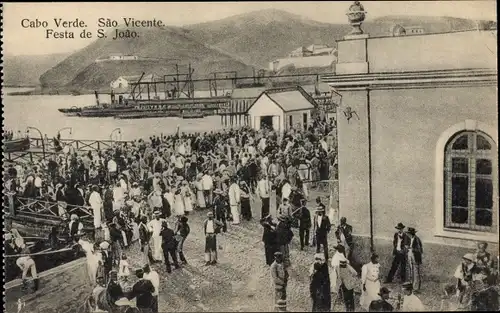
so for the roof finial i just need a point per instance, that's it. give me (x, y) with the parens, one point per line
(356, 16)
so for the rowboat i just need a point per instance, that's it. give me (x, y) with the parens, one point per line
(15, 145)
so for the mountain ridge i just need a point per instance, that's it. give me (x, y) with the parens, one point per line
(236, 43)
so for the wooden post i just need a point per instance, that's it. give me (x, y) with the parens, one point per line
(12, 211)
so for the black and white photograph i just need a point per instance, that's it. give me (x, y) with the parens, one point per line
(259, 156)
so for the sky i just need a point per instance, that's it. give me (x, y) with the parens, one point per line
(19, 40)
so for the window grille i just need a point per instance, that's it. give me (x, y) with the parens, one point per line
(469, 172)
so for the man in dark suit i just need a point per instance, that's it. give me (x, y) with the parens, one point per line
(107, 259)
(143, 291)
(304, 217)
(415, 251)
(269, 238)
(284, 236)
(399, 252)
(344, 236)
(144, 238)
(323, 227)
(169, 245)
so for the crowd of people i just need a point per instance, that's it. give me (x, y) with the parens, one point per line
(143, 192)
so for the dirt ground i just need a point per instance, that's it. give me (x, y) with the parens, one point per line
(240, 282)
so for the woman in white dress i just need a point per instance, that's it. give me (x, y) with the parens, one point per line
(200, 198)
(370, 282)
(178, 202)
(188, 197)
(92, 260)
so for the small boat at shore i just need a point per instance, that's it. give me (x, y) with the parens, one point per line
(16, 145)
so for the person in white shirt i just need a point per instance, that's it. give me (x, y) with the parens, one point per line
(75, 227)
(112, 169)
(286, 190)
(118, 197)
(234, 201)
(211, 228)
(411, 303)
(170, 197)
(27, 264)
(123, 268)
(154, 278)
(95, 202)
(135, 190)
(155, 226)
(370, 282)
(207, 185)
(123, 183)
(264, 192)
(92, 259)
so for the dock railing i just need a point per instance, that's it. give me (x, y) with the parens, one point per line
(46, 209)
(77, 144)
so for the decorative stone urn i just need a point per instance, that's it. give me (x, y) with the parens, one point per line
(356, 16)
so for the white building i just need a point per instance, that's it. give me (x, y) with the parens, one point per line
(281, 109)
(121, 57)
(123, 82)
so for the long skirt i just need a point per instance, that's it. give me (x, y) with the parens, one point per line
(157, 251)
(188, 204)
(371, 293)
(116, 251)
(235, 213)
(200, 199)
(210, 248)
(246, 210)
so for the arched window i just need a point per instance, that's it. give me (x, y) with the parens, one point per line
(469, 182)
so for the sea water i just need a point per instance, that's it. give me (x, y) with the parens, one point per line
(40, 111)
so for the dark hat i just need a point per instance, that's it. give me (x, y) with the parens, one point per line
(343, 262)
(339, 247)
(285, 199)
(318, 199)
(303, 201)
(411, 230)
(384, 291)
(400, 226)
(343, 219)
(408, 286)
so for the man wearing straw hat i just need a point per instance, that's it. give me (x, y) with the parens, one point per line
(211, 229)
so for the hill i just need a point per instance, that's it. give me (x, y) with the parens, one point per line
(169, 44)
(25, 70)
(274, 33)
(236, 43)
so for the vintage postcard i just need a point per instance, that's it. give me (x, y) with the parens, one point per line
(250, 156)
